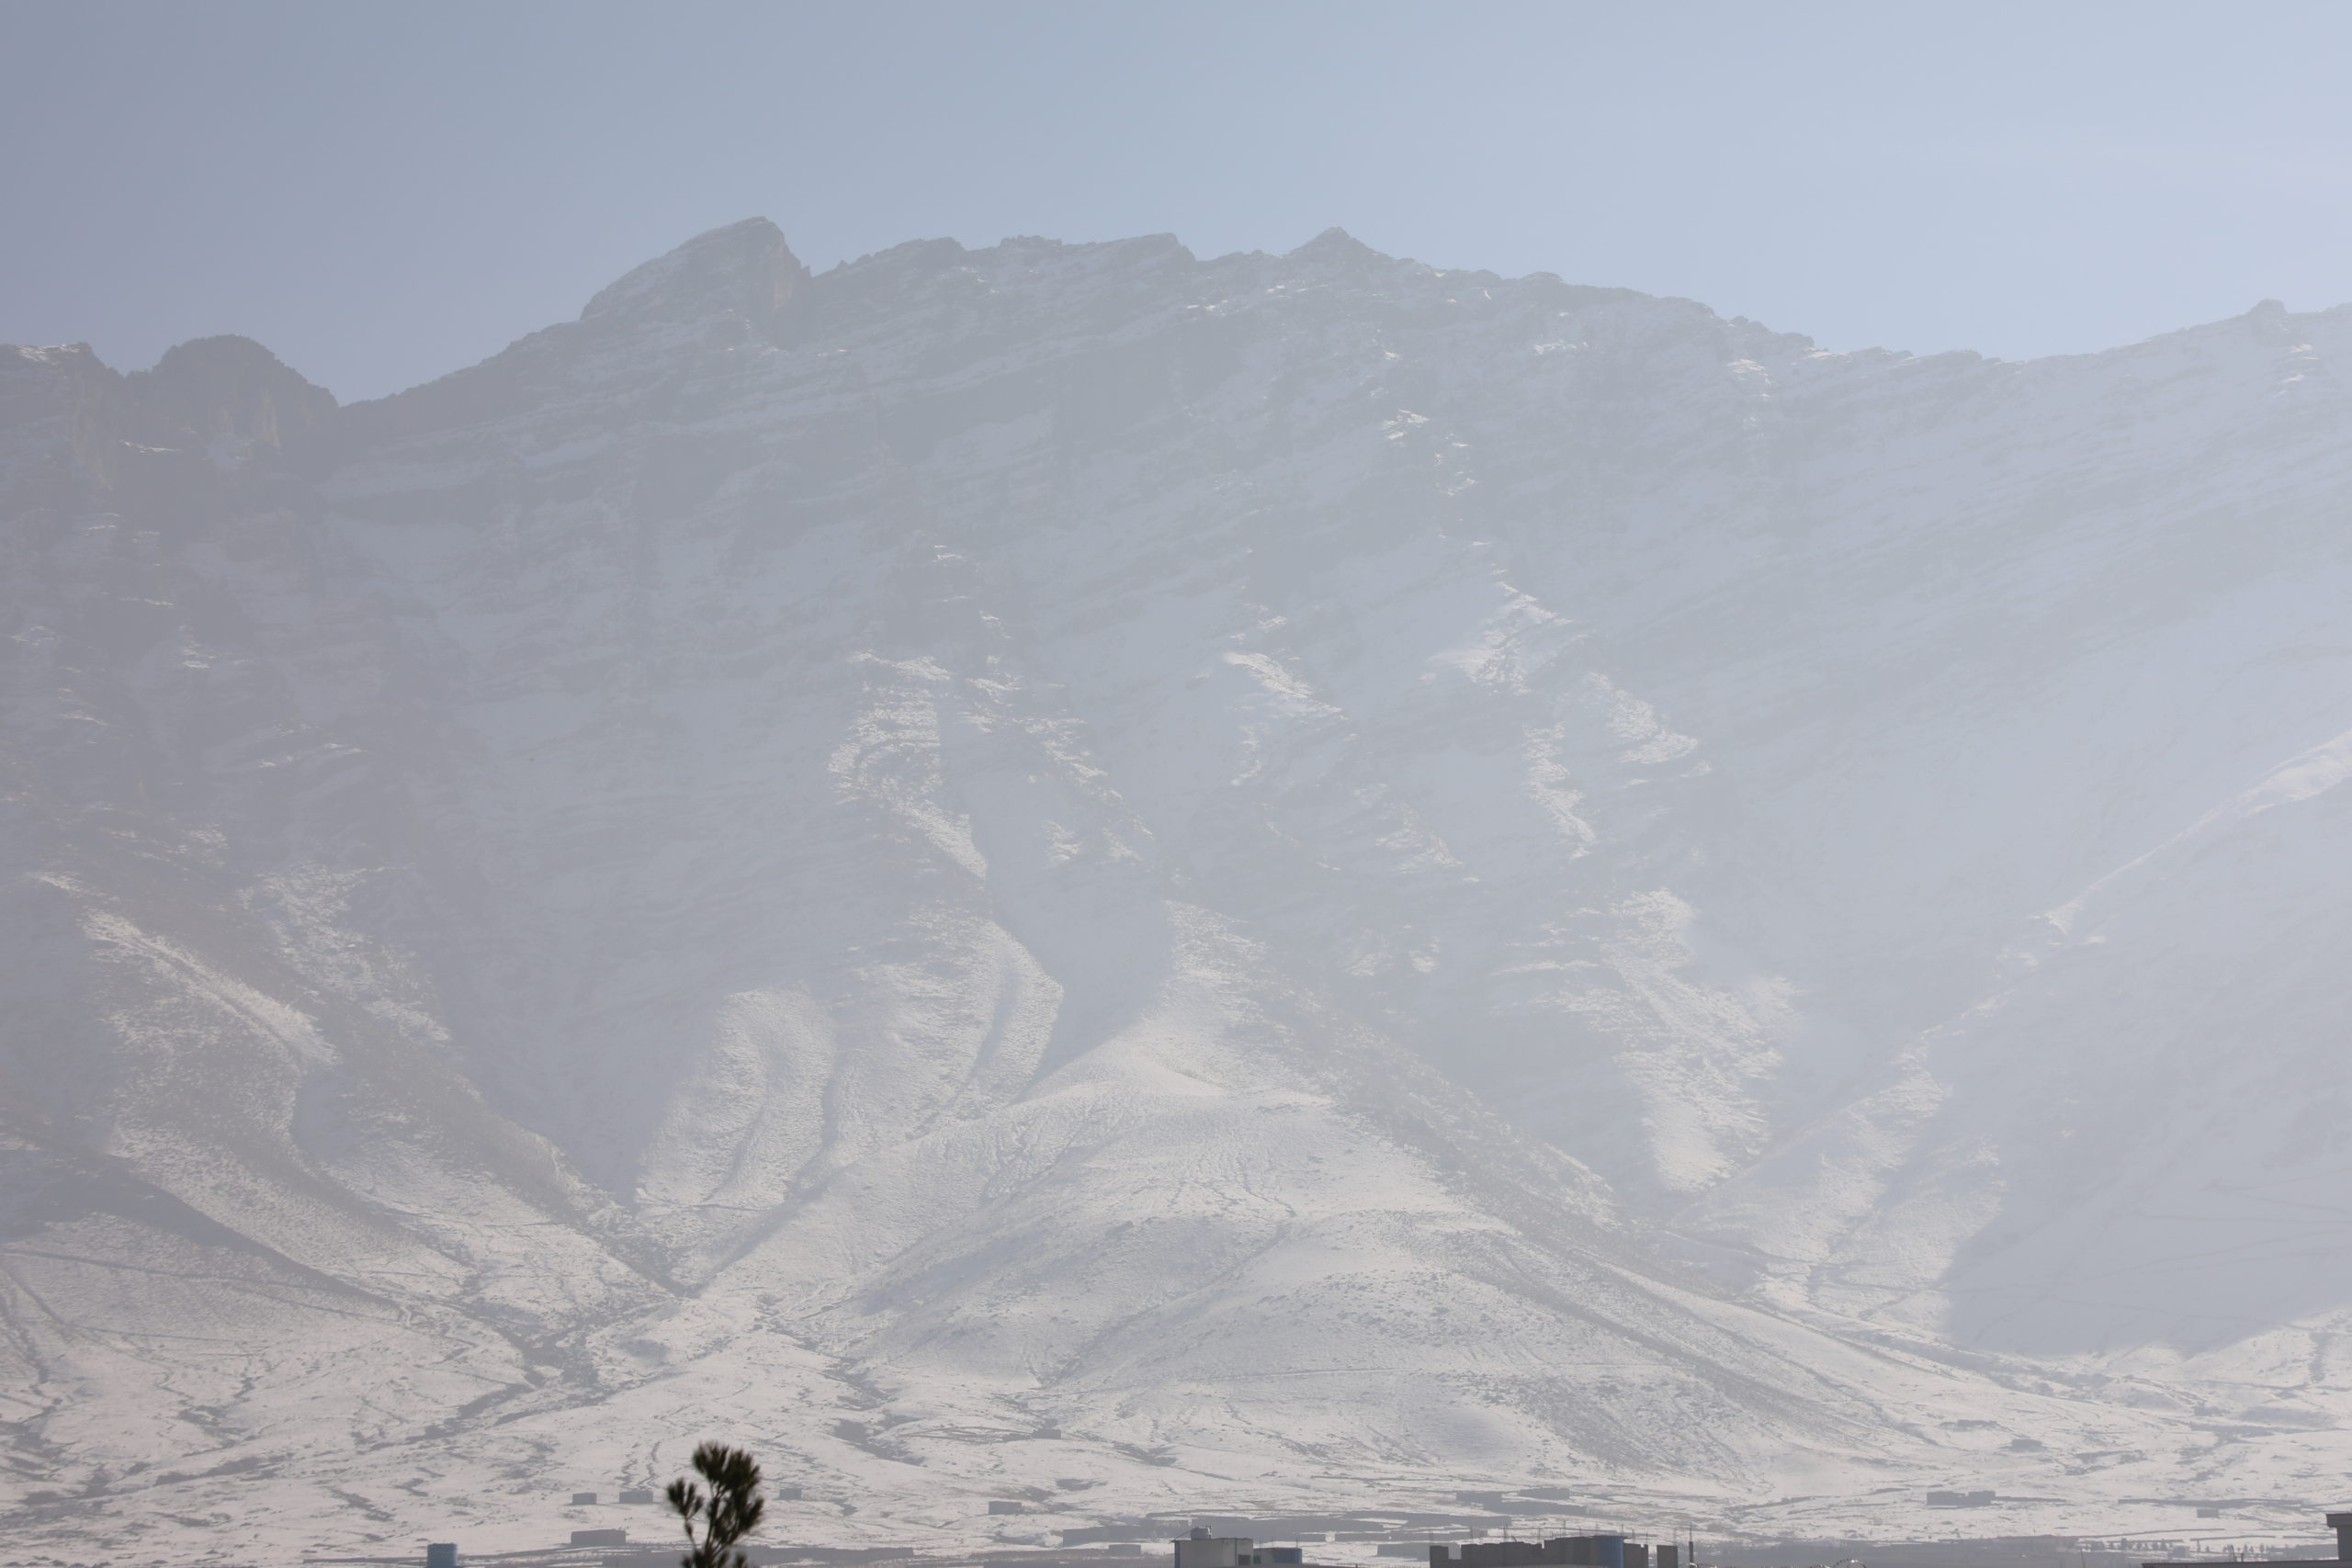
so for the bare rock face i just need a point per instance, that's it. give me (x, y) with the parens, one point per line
(161, 437)
(225, 391)
(744, 271)
(1241, 881)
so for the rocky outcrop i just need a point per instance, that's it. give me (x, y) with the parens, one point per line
(172, 437)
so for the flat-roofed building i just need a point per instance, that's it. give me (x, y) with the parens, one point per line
(1580, 1551)
(2340, 1523)
(1202, 1550)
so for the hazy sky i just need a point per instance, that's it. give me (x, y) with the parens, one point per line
(383, 192)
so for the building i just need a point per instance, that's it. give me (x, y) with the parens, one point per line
(2340, 1523)
(1202, 1550)
(1584, 1551)
(441, 1554)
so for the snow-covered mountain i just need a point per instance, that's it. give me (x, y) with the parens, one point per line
(1153, 884)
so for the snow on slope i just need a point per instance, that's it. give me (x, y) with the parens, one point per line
(1258, 880)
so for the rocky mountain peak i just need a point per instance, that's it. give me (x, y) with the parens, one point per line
(227, 388)
(1337, 247)
(744, 269)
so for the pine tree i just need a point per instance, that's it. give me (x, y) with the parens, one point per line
(728, 1513)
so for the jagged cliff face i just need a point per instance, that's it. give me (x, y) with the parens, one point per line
(1237, 879)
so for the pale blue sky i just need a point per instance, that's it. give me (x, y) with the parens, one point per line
(384, 192)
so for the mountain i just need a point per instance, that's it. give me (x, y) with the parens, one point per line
(1069, 872)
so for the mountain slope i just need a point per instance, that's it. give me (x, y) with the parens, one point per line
(1071, 863)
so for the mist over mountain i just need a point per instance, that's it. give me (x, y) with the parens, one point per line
(1073, 873)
